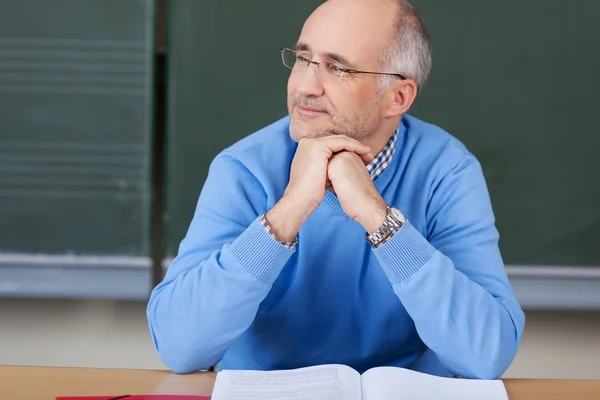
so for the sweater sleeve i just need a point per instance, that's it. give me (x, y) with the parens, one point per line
(453, 284)
(224, 268)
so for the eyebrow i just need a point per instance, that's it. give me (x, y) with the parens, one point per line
(333, 56)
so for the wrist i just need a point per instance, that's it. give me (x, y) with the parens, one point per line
(392, 224)
(373, 218)
(286, 218)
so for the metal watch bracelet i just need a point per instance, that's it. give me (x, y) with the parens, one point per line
(392, 223)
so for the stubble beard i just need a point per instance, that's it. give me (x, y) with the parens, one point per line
(357, 125)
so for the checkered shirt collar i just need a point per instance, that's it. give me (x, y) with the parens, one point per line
(384, 158)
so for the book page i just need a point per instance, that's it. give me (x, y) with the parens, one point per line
(324, 382)
(386, 383)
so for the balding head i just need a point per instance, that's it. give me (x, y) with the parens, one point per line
(354, 36)
(360, 30)
(391, 29)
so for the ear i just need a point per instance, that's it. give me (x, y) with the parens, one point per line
(400, 96)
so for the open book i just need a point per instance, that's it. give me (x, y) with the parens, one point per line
(339, 382)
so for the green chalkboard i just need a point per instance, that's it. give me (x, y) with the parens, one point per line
(516, 81)
(213, 100)
(75, 108)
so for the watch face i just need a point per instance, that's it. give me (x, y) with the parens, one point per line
(398, 215)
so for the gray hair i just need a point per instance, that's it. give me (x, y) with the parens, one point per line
(410, 51)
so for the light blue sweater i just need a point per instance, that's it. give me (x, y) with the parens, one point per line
(435, 298)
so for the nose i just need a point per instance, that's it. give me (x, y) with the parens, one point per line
(309, 83)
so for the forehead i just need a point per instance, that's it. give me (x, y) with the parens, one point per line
(357, 30)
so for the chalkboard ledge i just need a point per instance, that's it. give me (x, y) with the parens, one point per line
(555, 287)
(129, 278)
(74, 277)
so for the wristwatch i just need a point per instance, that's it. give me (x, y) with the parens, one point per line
(392, 223)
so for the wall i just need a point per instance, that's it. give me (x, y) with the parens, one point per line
(110, 334)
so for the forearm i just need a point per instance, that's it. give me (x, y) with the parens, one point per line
(474, 333)
(203, 305)
(287, 217)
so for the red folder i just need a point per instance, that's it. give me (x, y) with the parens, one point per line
(138, 397)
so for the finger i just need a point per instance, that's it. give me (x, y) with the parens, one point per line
(367, 158)
(344, 143)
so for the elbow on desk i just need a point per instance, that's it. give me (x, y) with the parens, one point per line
(486, 372)
(181, 355)
(488, 360)
(493, 359)
(487, 365)
(181, 364)
(183, 358)
(483, 369)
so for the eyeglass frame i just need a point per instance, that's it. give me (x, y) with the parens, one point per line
(344, 70)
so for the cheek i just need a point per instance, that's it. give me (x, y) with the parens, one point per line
(350, 95)
(343, 100)
(359, 100)
(364, 95)
(292, 84)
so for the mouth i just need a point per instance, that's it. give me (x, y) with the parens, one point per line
(310, 111)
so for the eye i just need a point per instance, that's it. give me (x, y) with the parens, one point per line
(335, 68)
(303, 58)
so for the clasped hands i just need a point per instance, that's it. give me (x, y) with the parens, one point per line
(336, 163)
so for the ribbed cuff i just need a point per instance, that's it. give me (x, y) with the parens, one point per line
(404, 254)
(260, 254)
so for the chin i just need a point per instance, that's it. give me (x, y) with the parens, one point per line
(297, 133)
(307, 129)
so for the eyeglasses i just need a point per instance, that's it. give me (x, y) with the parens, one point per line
(291, 58)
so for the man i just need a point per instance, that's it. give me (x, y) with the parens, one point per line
(300, 255)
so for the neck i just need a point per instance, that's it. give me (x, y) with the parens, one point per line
(377, 140)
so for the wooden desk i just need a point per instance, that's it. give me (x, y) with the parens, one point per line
(39, 383)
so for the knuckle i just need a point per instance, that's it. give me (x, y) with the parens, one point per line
(306, 144)
(303, 142)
